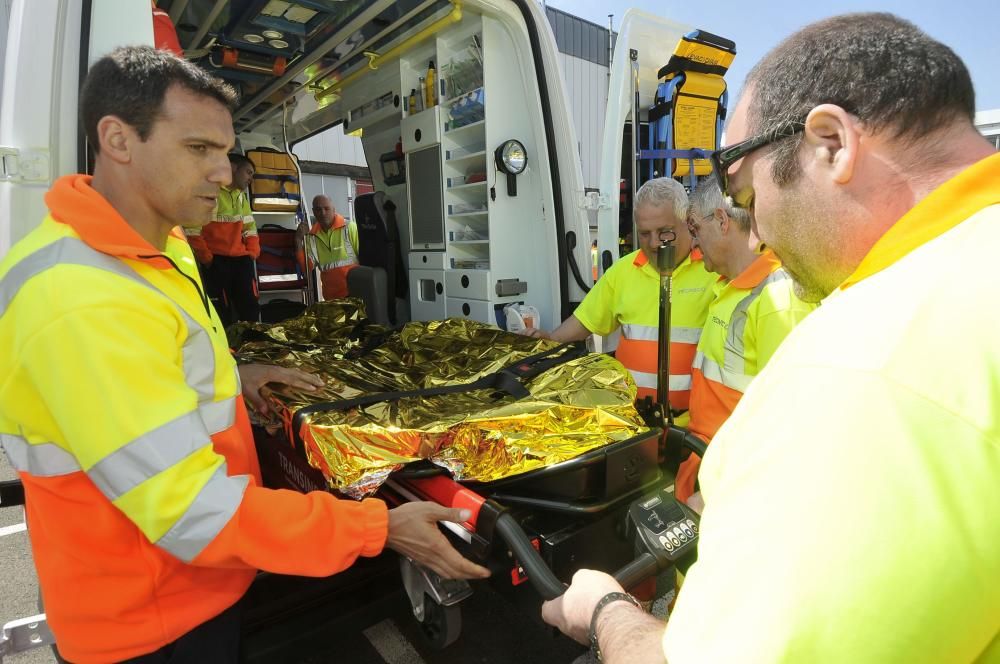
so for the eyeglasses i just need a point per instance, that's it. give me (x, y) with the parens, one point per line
(694, 222)
(722, 160)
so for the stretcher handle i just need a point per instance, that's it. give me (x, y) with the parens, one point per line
(637, 571)
(540, 575)
(545, 582)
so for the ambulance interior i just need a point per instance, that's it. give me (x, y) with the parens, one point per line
(451, 104)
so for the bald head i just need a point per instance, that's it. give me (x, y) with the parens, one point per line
(323, 210)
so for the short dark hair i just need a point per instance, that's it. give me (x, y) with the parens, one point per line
(131, 83)
(880, 68)
(236, 160)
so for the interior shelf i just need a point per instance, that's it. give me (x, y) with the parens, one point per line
(471, 185)
(465, 129)
(467, 157)
(451, 101)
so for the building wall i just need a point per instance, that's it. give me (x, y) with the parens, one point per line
(332, 146)
(340, 189)
(988, 124)
(584, 58)
(587, 87)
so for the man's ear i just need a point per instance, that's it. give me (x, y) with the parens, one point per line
(832, 136)
(721, 218)
(116, 138)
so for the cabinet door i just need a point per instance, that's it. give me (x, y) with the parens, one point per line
(427, 301)
(424, 183)
(479, 310)
(469, 284)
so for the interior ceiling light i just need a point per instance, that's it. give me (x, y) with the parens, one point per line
(511, 158)
(272, 34)
(300, 14)
(278, 43)
(251, 38)
(275, 8)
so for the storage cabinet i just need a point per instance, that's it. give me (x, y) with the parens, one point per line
(461, 222)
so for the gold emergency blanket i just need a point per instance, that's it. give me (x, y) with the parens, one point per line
(481, 435)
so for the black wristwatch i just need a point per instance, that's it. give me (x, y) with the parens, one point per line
(607, 599)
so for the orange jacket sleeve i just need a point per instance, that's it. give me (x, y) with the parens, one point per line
(201, 251)
(287, 532)
(252, 243)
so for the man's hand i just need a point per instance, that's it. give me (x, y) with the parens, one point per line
(255, 378)
(413, 532)
(572, 612)
(535, 332)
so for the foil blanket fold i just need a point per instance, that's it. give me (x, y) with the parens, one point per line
(481, 434)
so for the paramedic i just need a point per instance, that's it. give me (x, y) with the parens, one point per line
(850, 500)
(121, 407)
(334, 247)
(227, 247)
(754, 310)
(626, 297)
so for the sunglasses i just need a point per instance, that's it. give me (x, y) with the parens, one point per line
(722, 160)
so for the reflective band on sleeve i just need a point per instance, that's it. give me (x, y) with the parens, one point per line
(219, 415)
(337, 264)
(713, 372)
(149, 455)
(683, 335)
(39, 459)
(211, 510)
(734, 348)
(648, 381)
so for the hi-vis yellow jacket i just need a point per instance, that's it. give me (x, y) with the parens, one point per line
(120, 408)
(872, 440)
(628, 296)
(750, 317)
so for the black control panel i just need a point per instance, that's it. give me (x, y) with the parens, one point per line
(665, 527)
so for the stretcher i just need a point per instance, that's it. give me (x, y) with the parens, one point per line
(609, 508)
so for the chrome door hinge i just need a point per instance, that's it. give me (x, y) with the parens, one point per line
(594, 200)
(23, 166)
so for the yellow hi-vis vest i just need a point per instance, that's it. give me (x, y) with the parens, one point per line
(852, 500)
(746, 323)
(628, 296)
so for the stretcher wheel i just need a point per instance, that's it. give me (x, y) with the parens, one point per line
(441, 624)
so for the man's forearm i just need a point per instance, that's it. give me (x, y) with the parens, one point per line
(628, 635)
(570, 330)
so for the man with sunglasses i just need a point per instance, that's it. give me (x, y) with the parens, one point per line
(754, 310)
(851, 499)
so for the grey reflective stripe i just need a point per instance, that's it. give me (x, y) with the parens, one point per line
(352, 255)
(67, 250)
(734, 351)
(40, 459)
(218, 415)
(199, 359)
(712, 371)
(149, 455)
(205, 518)
(648, 380)
(199, 355)
(684, 335)
(341, 263)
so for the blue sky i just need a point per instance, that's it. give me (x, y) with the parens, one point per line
(970, 27)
